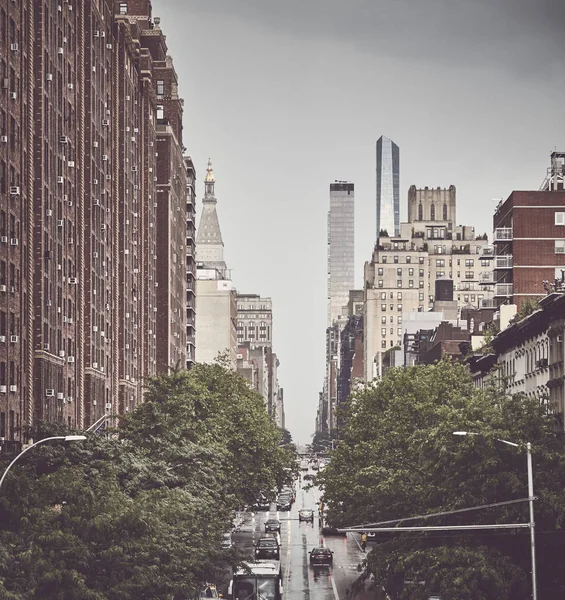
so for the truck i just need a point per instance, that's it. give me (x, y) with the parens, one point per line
(261, 580)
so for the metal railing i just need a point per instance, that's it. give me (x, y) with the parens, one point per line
(503, 233)
(504, 289)
(504, 261)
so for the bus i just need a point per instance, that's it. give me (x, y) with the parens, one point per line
(261, 580)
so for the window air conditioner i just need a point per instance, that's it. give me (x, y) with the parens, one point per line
(60, 223)
(13, 388)
(46, 347)
(60, 179)
(14, 47)
(14, 190)
(60, 396)
(49, 77)
(49, 393)
(71, 359)
(13, 95)
(13, 241)
(14, 339)
(2, 288)
(94, 365)
(3, 389)
(2, 339)
(70, 86)
(61, 354)
(73, 280)
(4, 139)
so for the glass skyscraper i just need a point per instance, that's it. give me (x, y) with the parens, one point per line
(341, 247)
(388, 186)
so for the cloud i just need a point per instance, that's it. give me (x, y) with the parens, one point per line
(525, 36)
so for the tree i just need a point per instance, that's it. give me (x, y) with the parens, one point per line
(141, 515)
(398, 458)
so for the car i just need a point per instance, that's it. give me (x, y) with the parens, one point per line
(308, 477)
(273, 534)
(284, 502)
(226, 541)
(208, 592)
(321, 556)
(306, 514)
(272, 525)
(267, 547)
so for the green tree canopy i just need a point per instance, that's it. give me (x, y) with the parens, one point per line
(141, 513)
(399, 458)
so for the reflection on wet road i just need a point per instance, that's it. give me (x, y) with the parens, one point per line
(298, 538)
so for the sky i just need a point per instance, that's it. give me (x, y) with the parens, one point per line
(288, 96)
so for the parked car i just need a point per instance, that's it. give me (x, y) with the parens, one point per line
(272, 525)
(306, 514)
(321, 556)
(267, 547)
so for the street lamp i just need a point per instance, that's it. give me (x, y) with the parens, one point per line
(65, 438)
(530, 502)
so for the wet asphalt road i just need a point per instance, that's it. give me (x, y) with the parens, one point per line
(301, 581)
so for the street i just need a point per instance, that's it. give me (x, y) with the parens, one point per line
(301, 581)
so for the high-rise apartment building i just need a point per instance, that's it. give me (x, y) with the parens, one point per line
(388, 186)
(190, 262)
(216, 298)
(529, 245)
(400, 278)
(254, 319)
(80, 214)
(341, 247)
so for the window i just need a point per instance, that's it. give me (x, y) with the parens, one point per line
(380, 271)
(399, 296)
(469, 275)
(420, 212)
(421, 260)
(383, 320)
(433, 212)
(123, 8)
(160, 88)
(380, 283)
(383, 307)
(472, 297)
(399, 308)
(399, 272)
(383, 332)
(399, 320)
(396, 260)
(440, 274)
(469, 262)
(466, 298)
(383, 296)
(421, 272)
(410, 283)
(383, 344)
(484, 263)
(411, 272)
(559, 246)
(399, 331)
(440, 262)
(160, 112)
(560, 218)
(421, 284)
(408, 259)
(421, 297)
(384, 260)
(399, 283)
(444, 211)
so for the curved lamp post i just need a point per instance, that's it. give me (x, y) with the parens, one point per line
(65, 438)
(530, 501)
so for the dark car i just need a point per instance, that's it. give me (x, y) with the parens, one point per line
(306, 514)
(284, 502)
(308, 477)
(272, 525)
(321, 556)
(267, 548)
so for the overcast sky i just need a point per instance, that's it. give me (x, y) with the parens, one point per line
(287, 96)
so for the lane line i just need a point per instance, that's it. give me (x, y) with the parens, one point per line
(334, 587)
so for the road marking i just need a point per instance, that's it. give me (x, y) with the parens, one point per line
(334, 588)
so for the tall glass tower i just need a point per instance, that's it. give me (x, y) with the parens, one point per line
(388, 186)
(341, 247)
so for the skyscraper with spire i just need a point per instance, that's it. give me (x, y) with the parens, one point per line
(216, 298)
(388, 186)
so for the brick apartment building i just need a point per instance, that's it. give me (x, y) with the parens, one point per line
(529, 245)
(89, 213)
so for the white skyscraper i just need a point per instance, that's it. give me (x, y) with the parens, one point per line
(341, 247)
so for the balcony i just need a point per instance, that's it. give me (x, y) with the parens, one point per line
(503, 289)
(486, 278)
(504, 261)
(503, 234)
(486, 252)
(488, 303)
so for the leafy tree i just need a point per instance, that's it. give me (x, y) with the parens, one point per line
(398, 458)
(141, 513)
